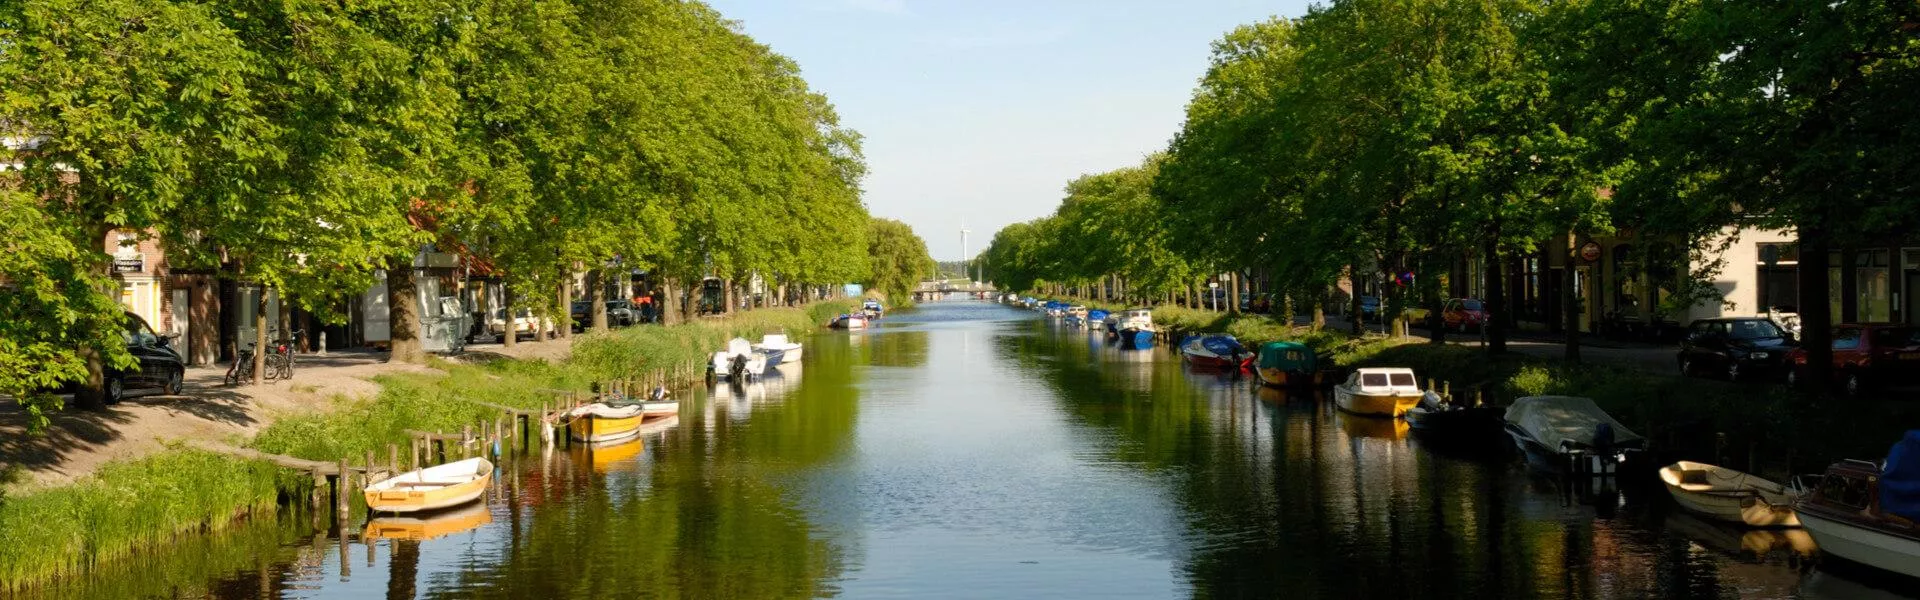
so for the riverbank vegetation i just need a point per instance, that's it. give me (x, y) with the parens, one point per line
(305, 148)
(130, 505)
(1383, 142)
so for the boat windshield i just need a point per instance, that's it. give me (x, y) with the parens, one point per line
(1403, 380)
(1373, 380)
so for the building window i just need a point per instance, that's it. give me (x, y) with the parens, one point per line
(1627, 280)
(1875, 288)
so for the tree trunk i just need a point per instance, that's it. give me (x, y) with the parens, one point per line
(667, 307)
(1496, 301)
(1816, 308)
(403, 338)
(1353, 300)
(563, 318)
(512, 337)
(731, 301)
(596, 299)
(1233, 292)
(260, 347)
(1570, 302)
(1319, 315)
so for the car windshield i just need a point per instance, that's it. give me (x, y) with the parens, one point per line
(1753, 330)
(1470, 304)
(137, 332)
(581, 306)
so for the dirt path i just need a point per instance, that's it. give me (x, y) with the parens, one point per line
(80, 440)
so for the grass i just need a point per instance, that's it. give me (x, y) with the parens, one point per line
(130, 505)
(127, 506)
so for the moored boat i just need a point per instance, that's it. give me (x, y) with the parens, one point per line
(1283, 364)
(599, 421)
(1436, 416)
(432, 488)
(1724, 494)
(1378, 392)
(1866, 513)
(849, 321)
(1558, 431)
(1215, 351)
(872, 309)
(789, 350)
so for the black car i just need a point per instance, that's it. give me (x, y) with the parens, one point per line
(159, 369)
(1736, 348)
(620, 313)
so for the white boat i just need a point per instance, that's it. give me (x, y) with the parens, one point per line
(849, 321)
(433, 488)
(1727, 495)
(739, 361)
(1866, 513)
(1554, 431)
(789, 352)
(1378, 392)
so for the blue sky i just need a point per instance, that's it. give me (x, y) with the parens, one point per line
(983, 110)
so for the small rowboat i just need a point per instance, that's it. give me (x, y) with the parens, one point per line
(599, 422)
(418, 529)
(1727, 495)
(447, 485)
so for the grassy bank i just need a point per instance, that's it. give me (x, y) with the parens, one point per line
(130, 505)
(127, 506)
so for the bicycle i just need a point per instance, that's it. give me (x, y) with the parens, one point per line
(280, 362)
(242, 367)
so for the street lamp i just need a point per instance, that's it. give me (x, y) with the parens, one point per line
(1213, 294)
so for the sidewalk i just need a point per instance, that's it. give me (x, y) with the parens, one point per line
(1634, 355)
(79, 440)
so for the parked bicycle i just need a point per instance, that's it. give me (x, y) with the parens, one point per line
(279, 361)
(242, 367)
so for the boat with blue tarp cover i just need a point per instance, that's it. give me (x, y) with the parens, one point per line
(1865, 512)
(1215, 351)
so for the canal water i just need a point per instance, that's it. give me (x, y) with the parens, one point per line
(970, 450)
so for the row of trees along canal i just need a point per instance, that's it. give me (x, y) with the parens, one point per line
(302, 147)
(1401, 135)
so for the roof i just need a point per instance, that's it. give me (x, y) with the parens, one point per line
(1385, 370)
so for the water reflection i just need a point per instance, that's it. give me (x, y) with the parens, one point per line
(964, 449)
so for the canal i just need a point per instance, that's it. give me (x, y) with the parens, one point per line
(966, 449)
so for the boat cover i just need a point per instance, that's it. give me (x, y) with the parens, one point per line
(1286, 355)
(1215, 345)
(1900, 478)
(1554, 420)
(1096, 315)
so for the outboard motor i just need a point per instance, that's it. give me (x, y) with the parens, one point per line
(739, 368)
(659, 393)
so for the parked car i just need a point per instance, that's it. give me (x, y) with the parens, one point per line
(1463, 314)
(1369, 307)
(523, 320)
(582, 315)
(1867, 355)
(620, 313)
(1735, 347)
(159, 369)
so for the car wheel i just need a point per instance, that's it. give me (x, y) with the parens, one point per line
(115, 392)
(175, 381)
(1793, 377)
(1733, 370)
(1686, 366)
(1853, 384)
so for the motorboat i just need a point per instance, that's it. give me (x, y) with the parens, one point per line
(772, 343)
(1096, 318)
(1284, 364)
(1378, 392)
(849, 321)
(739, 362)
(1435, 416)
(1215, 351)
(1135, 328)
(872, 309)
(1569, 432)
(1077, 316)
(1724, 494)
(1866, 513)
(432, 488)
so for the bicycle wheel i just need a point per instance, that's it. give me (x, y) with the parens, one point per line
(286, 367)
(276, 364)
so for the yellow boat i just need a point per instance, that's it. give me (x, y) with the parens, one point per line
(447, 485)
(1385, 429)
(599, 422)
(419, 529)
(609, 456)
(1378, 392)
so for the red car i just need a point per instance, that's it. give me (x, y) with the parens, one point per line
(1866, 354)
(1462, 314)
